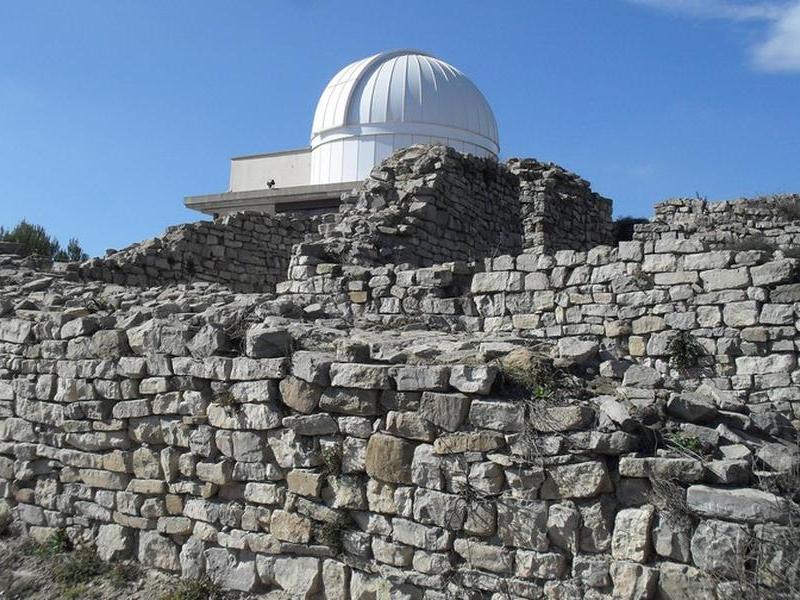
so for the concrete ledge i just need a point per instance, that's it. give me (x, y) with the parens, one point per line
(301, 197)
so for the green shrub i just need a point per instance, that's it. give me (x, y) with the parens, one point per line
(58, 543)
(33, 239)
(684, 350)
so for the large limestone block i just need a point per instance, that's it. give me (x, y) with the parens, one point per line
(479, 555)
(158, 551)
(681, 582)
(363, 376)
(500, 416)
(114, 542)
(473, 379)
(421, 536)
(582, 480)
(230, 572)
(735, 504)
(631, 541)
(633, 581)
(762, 365)
(349, 401)
(267, 342)
(299, 394)
(290, 527)
(389, 458)
(522, 524)
(447, 411)
(720, 548)
(415, 378)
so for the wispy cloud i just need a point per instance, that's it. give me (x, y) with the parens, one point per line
(778, 50)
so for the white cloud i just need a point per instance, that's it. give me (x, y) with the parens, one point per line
(779, 48)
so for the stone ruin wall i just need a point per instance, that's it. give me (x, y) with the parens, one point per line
(426, 205)
(246, 251)
(363, 466)
(189, 429)
(772, 221)
(367, 444)
(559, 209)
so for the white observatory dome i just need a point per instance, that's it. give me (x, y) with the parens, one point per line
(391, 100)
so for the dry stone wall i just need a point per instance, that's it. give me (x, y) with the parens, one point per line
(772, 221)
(559, 209)
(188, 428)
(246, 251)
(425, 205)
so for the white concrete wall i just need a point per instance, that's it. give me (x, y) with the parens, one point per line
(352, 158)
(288, 169)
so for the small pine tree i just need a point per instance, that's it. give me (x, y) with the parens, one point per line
(74, 251)
(33, 239)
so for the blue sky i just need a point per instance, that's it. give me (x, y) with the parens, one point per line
(111, 112)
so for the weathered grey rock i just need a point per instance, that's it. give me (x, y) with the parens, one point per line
(363, 376)
(228, 571)
(760, 365)
(577, 349)
(426, 537)
(500, 416)
(300, 577)
(582, 480)
(720, 548)
(774, 272)
(192, 559)
(735, 504)
(114, 542)
(672, 537)
(479, 441)
(318, 424)
(641, 376)
(687, 470)
(473, 379)
(633, 581)
(409, 425)
(389, 458)
(312, 367)
(681, 582)
(267, 342)
(158, 551)
(299, 394)
(561, 418)
(398, 555)
(631, 539)
(522, 524)
(691, 407)
(447, 411)
(413, 378)
(290, 527)
(437, 508)
(484, 556)
(349, 401)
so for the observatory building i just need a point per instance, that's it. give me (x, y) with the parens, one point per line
(369, 109)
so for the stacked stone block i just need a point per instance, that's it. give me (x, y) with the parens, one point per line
(424, 205)
(772, 221)
(559, 209)
(346, 469)
(248, 252)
